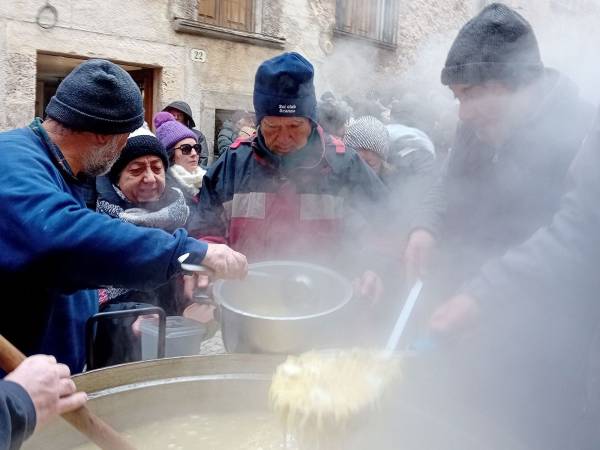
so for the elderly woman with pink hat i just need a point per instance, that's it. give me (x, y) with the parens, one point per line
(184, 152)
(184, 173)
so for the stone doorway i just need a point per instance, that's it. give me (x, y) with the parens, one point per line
(52, 68)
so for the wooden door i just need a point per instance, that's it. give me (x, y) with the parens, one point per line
(145, 80)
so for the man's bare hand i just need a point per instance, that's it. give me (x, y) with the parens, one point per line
(225, 262)
(455, 315)
(200, 313)
(191, 283)
(369, 286)
(417, 254)
(49, 385)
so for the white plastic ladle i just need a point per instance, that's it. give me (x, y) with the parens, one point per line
(403, 317)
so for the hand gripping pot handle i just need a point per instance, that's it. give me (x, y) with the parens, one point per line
(202, 296)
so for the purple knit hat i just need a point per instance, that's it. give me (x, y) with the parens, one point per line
(169, 132)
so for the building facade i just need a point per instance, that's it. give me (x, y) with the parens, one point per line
(206, 51)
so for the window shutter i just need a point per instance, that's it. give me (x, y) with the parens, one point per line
(236, 14)
(358, 17)
(343, 12)
(366, 14)
(207, 11)
(373, 19)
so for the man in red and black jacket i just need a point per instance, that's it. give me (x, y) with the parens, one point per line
(284, 192)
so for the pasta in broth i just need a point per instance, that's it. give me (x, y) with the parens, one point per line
(318, 393)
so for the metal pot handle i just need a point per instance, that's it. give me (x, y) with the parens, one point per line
(203, 296)
(98, 317)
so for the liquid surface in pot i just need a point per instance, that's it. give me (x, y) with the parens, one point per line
(223, 431)
(285, 289)
(282, 297)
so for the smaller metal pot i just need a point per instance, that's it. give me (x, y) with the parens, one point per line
(264, 314)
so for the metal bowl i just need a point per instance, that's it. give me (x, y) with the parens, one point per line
(282, 307)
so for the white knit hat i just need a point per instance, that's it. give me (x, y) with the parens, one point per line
(368, 133)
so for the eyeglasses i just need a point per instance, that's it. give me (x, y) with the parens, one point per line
(186, 149)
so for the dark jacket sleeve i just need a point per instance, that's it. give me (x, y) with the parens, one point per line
(563, 254)
(429, 212)
(17, 415)
(368, 198)
(224, 140)
(416, 159)
(203, 156)
(368, 194)
(210, 221)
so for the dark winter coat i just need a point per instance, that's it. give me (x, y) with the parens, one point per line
(541, 301)
(489, 199)
(226, 137)
(409, 174)
(17, 415)
(272, 207)
(563, 253)
(203, 157)
(56, 252)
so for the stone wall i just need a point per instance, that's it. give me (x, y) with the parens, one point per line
(140, 32)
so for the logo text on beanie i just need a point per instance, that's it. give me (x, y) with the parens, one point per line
(287, 109)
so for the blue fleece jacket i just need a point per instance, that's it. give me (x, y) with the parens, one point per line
(55, 253)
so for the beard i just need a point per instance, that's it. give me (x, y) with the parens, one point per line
(102, 158)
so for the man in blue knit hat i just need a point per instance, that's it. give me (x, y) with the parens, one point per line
(55, 251)
(281, 194)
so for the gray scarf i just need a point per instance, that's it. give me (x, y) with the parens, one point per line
(169, 213)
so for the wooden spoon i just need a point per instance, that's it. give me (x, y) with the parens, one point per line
(94, 428)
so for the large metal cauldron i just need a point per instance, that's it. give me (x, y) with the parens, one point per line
(130, 395)
(282, 307)
(127, 396)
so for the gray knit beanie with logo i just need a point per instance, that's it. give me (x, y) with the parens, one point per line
(368, 133)
(100, 97)
(497, 44)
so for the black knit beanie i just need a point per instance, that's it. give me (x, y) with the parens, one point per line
(100, 97)
(141, 143)
(497, 44)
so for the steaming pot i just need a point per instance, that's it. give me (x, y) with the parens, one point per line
(131, 395)
(291, 307)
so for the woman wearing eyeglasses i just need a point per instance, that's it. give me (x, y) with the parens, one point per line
(185, 173)
(184, 151)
